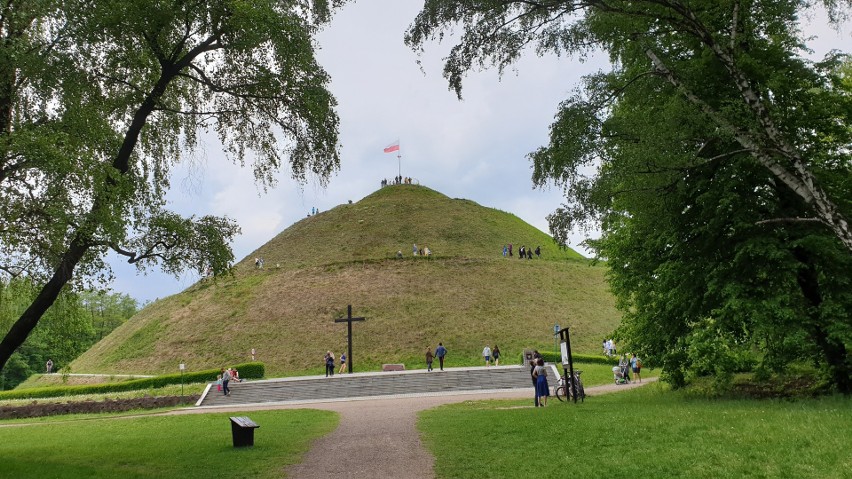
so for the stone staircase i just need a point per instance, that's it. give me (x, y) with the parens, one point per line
(359, 385)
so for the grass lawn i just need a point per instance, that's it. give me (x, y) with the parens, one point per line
(650, 432)
(188, 446)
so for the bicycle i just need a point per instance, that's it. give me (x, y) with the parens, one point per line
(564, 390)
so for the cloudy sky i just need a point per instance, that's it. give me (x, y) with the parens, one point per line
(474, 149)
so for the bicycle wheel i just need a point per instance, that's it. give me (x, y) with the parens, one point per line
(561, 394)
(581, 392)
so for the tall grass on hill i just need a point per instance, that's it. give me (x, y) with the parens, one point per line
(466, 295)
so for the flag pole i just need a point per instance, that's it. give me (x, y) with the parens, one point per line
(399, 160)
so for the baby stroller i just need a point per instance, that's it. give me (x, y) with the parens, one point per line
(621, 375)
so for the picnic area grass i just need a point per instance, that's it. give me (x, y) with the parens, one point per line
(647, 432)
(185, 446)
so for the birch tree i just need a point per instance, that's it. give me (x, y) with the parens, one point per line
(99, 99)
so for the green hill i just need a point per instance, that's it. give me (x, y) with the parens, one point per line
(466, 295)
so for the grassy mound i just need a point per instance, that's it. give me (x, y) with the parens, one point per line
(466, 295)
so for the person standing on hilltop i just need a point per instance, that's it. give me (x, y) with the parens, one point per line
(510, 250)
(505, 250)
(440, 352)
(538, 251)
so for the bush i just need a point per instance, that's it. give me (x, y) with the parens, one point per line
(247, 371)
(556, 357)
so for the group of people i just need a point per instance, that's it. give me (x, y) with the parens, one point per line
(424, 251)
(440, 353)
(523, 253)
(538, 373)
(398, 180)
(224, 379)
(488, 354)
(609, 348)
(633, 363)
(328, 360)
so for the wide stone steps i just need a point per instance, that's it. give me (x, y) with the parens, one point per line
(340, 386)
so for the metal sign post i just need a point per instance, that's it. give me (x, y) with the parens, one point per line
(565, 338)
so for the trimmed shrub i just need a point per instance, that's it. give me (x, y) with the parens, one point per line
(247, 371)
(556, 357)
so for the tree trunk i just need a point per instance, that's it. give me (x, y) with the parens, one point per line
(833, 351)
(45, 299)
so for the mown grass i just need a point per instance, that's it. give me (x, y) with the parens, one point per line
(467, 295)
(188, 446)
(646, 432)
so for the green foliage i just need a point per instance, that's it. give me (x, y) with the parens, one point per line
(100, 99)
(720, 160)
(246, 370)
(71, 326)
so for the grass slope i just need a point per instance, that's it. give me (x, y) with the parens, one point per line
(467, 295)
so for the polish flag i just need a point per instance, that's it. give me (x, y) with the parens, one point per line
(392, 147)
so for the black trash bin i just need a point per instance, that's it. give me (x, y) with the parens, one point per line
(242, 430)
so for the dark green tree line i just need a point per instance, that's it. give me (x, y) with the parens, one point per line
(720, 168)
(71, 326)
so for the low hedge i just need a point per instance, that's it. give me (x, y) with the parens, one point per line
(556, 357)
(246, 370)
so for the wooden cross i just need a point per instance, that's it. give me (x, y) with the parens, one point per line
(348, 319)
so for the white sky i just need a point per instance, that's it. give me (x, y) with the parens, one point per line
(474, 149)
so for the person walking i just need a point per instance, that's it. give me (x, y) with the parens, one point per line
(542, 389)
(495, 354)
(429, 358)
(226, 378)
(49, 366)
(486, 353)
(440, 352)
(342, 363)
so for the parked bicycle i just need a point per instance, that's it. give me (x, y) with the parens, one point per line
(564, 390)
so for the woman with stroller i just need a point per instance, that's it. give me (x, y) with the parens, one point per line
(624, 365)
